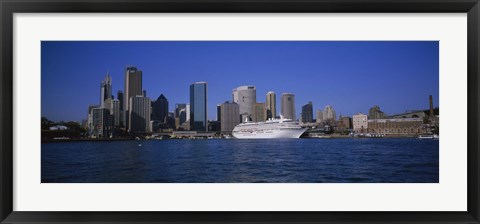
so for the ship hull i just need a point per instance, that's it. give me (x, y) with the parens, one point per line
(267, 134)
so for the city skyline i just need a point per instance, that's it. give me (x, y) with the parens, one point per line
(396, 75)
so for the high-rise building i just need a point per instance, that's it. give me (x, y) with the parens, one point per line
(139, 111)
(115, 112)
(307, 113)
(101, 122)
(319, 117)
(376, 113)
(271, 105)
(187, 110)
(133, 88)
(179, 107)
(230, 116)
(107, 104)
(329, 114)
(160, 109)
(186, 125)
(288, 106)
(219, 112)
(121, 100)
(360, 123)
(259, 112)
(105, 90)
(198, 106)
(90, 118)
(180, 114)
(245, 97)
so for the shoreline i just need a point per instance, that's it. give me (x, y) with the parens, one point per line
(132, 139)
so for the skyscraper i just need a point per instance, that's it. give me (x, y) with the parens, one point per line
(230, 116)
(198, 106)
(219, 112)
(121, 108)
(259, 112)
(105, 90)
(288, 106)
(115, 111)
(101, 122)
(319, 117)
(179, 107)
(133, 88)
(329, 113)
(90, 118)
(160, 109)
(187, 107)
(181, 112)
(245, 97)
(307, 113)
(271, 105)
(139, 111)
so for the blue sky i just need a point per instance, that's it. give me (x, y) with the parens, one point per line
(352, 76)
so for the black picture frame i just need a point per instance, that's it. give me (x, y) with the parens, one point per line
(9, 7)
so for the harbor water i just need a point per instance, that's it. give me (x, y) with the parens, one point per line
(343, 160)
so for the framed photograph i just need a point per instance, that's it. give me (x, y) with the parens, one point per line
(237, 111)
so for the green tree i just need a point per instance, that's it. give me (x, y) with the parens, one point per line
(46, 123)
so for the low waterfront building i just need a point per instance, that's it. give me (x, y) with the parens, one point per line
(58, 128)
(344, 123)
(360, 123)
(398, 126)
(410, 114)
(214, 126)
(192, 134)
(376, 113)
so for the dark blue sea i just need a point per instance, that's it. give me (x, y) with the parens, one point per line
(349, 160)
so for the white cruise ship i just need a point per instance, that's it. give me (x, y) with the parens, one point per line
(277, 128)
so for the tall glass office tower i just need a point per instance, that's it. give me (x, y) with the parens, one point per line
(307, 112)
(105, 91)
(133, 88)
(198, 106)
(160, 109)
